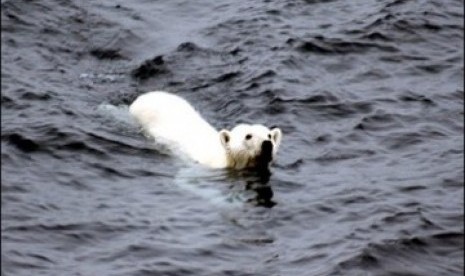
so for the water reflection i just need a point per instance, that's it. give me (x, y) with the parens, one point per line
(258, 187)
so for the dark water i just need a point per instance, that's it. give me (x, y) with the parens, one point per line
(368, 181)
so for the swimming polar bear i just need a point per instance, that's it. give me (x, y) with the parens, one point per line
(171, 120)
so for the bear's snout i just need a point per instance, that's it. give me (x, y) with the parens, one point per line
(267, 145)
(266, 153)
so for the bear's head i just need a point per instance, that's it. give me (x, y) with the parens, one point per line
(250, 146)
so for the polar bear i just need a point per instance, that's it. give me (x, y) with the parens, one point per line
(171, 120)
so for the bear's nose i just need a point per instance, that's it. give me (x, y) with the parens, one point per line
(267, 149)
(267, 145)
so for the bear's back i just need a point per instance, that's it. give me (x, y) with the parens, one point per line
(172, 120)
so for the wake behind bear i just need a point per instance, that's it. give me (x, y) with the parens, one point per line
(172, 121)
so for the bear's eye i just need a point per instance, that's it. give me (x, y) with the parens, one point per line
(248, 137)
(269, 136)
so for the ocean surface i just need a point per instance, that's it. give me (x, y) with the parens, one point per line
(368, 180)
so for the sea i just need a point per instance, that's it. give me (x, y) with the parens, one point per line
(369, 178)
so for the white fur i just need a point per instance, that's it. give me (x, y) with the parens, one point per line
(172, 120)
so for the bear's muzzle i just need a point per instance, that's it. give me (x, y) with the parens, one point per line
(266, 153)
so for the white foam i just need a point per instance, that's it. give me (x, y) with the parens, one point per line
(118, 113)
(207, 184)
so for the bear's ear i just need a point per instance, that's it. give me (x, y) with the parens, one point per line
(276, 135)
(225, 137)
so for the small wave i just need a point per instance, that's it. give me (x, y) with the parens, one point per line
(402, 140)
(322, 45)
(395, 256)
(150, 68)
(335, 155)
(380, 122)
(106, 53)
(22, 143)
